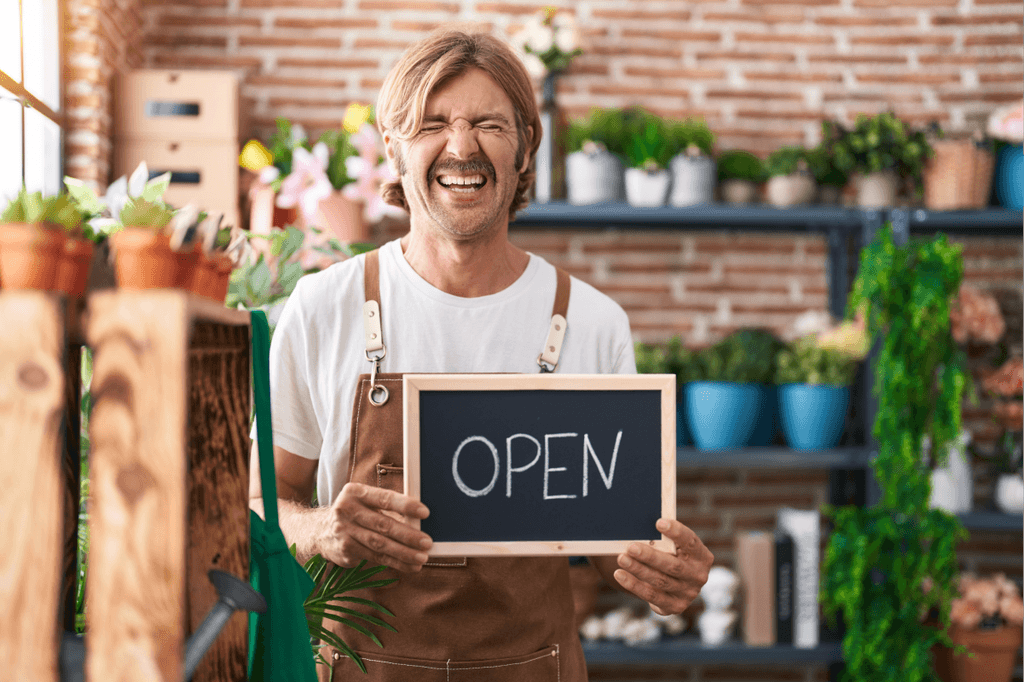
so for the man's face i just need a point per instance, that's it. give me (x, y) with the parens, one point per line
(459, 172)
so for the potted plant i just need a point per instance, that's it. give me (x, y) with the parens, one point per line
(888, 564)
(814, 375)
(986, 619)
(35, 232)
(829, 176)
(880, 152)
(681, 361)
(725, 400)
(1006, 385)
(648, 154)
(692, 167)
(790, 182)
(740, 174)
(959, 173)
(594, 164)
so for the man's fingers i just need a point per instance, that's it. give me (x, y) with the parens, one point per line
(379, 498)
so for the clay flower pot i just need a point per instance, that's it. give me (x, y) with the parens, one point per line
(995, 652)
(73, 269)
(29, 255)
(737, 191)
(877, 190)
(143, 259)
(790, 190)
(212, 277)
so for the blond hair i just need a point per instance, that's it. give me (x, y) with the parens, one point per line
(434, 61)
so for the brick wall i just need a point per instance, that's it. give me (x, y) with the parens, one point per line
(101, 39)
(762, 73)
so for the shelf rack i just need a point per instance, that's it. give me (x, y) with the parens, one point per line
(849, 470)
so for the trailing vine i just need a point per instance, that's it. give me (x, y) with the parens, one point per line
(889, 566)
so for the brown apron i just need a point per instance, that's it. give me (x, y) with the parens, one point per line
(458, 619)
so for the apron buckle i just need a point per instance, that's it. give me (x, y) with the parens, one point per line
(378, 393)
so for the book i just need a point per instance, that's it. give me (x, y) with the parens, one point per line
(756, 567)
(783, 588)
(804, 527)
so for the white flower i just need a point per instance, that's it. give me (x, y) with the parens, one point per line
(539, 38)
(534, 66)
(137, 182)
(567, 39)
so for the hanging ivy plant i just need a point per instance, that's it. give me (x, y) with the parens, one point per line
(889, 566)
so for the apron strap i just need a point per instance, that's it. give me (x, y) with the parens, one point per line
(376, 350)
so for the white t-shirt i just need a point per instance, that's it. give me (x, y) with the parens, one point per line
(318, 348)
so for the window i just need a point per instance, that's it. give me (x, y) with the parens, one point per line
(30, 97)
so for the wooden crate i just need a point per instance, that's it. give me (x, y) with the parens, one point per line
(168, 476)
(166, 104)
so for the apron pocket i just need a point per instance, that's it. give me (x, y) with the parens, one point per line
(538, 666)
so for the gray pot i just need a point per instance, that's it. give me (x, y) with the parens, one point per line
(645, 189)
(877, 190)
(693, 180)
(593, 178)
(790, 190)
(739, 192)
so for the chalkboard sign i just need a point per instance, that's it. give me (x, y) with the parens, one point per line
(532, 464)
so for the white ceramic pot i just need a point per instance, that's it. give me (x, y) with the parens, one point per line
(593, 178)
(790, 190)
(953, 484)
(647, 189)
(693, 180)
(877, 190)
(739, 192)
(1010, 493)
(715, 626)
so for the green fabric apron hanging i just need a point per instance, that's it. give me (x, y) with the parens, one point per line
(279, 643)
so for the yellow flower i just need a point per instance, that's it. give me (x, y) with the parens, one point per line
(255, 157)
(850, 338)
(355, 116)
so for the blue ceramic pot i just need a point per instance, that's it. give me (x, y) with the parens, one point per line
(682, 431)
(1009, 177)
(768, 419)
(721, 415)
(813, 416)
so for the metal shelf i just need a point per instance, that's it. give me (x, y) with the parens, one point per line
(986, 221)
(775, 458)
(991, 520)
(688, 650)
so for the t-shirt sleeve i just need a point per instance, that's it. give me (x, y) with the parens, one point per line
(296, 427)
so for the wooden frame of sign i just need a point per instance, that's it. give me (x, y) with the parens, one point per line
(612, 438)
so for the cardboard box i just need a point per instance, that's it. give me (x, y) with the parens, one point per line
(204, 173)
(167, 104)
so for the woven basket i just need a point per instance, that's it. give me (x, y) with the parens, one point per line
(958, 176)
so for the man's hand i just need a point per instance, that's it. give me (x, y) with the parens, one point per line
(365, 525)
(668, 582)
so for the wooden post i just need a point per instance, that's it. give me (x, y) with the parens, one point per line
(169, 480)
(31, 502)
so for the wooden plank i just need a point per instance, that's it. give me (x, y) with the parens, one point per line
(218, 486)
(136, 583)
(32, 350)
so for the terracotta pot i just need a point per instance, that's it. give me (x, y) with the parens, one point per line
(74, 266)
(958, 176)
(29, 255)
(790, 190)
(143, 259)
(995, 652)
(877, 190)
(738, 191)
(212, 277)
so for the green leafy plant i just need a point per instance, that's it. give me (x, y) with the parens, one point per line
(287, 137)
(786, 161)
(54, 211)
(805, 362)
(650, 358)
(139, 212)
(880, 143)
(692, 132)
(103, 215)
(681, 361)
(737, 164)
(824, 166)
(332, 586)
(887, 566)
(745, 356)
(604, 127)
(647, 145)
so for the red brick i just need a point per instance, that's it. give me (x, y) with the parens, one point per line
(916, 78)
(1000, 77)
(655, 15)
(422, 26)
(1007, 39)
(797, 477)
(968, 59)
(314, 4)
(904, 39)
(285, 81)
(283, 41)
(371, 83)
(314, 24)
(777, 115)
(754, 94)
(175, 40)
(700, 523)
(190, 20)
(739, 672)
(672, 73)
(186, 60)
(795, 76)
(905, 3)
(634, 91)
(977, 19)
(794, 38)
(322, 102)
(763, 14)
(762, 522)
(417, 5)
(800, 500)
(858, 59)
(379, 43)
(707, 476)
(746, 55)
(621, 50)
(668, 34)
(580, 68)
(509, 8)
(313, 63)
(186, 3)
(863, 19)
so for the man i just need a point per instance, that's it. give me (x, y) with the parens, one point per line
(460, 126)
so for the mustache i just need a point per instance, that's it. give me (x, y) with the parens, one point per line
(482, 166)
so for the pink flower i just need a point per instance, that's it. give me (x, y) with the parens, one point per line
(307, 184)
(369, 172)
